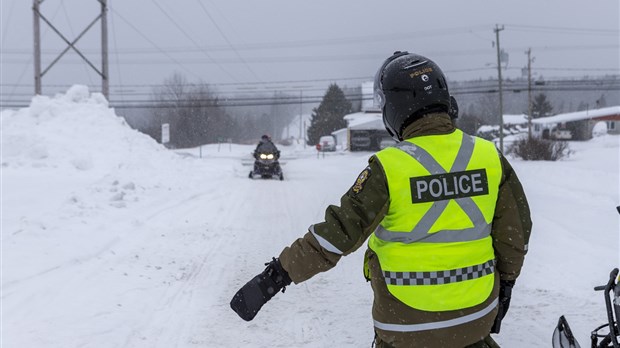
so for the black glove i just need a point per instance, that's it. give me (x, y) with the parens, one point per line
(255, 293)
(505, 292)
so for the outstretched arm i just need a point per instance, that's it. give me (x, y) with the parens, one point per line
(345, 228)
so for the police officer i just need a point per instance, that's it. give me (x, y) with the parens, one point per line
(445, 216)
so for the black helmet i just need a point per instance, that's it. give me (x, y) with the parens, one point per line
(454, 109)
(407, 86)
(265, 137)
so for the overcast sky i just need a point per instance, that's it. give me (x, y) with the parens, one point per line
(240, 45)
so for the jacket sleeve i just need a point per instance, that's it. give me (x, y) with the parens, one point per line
(512, 225)
(345, 228)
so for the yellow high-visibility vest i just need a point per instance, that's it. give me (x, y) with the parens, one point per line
(434, 245)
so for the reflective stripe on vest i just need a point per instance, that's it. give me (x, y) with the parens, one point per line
(437, 324)
(480, 230)
(434, 245)
(440, 277)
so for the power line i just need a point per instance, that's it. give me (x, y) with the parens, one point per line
(576, 47)
(193, 41)
(31, 58)
(64, 10)
(225, 101)
(366, 78)
(455, 86)
(581, 69)
(567, 30)
(226, 39)
(310, 59)
(152, 43)
(308, 43)
(118, 65)
(8, 20)
(230, 83)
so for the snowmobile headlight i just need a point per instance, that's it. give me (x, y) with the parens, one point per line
(270, 156)
(263, 156)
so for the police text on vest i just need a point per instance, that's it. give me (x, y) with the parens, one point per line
(441, 187)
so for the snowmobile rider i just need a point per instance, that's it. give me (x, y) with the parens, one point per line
(445, 216)
(265, 145)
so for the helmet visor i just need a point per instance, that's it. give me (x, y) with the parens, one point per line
(378, 94)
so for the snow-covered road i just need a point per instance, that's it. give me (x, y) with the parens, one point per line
(109, 240)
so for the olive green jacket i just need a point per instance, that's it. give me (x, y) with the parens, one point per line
(348, 226)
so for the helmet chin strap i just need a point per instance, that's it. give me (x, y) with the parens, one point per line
(394, 136)
(411, 119)
(392, 132)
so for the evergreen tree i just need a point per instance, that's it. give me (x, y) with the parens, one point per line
(328, 117)
(541, 107)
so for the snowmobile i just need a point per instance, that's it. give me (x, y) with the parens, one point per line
(609, 333)
(266, 165)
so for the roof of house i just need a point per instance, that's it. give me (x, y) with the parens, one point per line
(339, 131)
(373, 119)
(365, 120)
(371, 124)
(515, 119)
(580, 115)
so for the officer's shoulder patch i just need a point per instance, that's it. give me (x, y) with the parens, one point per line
(361, 181)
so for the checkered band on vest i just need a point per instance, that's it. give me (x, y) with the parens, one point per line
(440, 277)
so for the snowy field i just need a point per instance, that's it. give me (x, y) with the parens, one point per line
(110, 240)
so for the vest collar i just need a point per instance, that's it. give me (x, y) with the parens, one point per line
(429, 124)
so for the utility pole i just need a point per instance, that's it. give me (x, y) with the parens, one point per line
(501, 102)
(529, 93)
(38, 73)
(300, 112)
(37, 46)
(105, 81)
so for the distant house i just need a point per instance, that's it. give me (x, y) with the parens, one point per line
(513, 125)
(577, 125)
(364, 132)
(516, 120)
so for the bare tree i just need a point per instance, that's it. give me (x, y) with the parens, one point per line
(192, 111)
(488, 108)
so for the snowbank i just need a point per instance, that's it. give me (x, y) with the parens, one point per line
(76, 131)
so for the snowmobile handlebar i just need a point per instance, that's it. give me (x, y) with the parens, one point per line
(612, 325)
(608, 332)
(612, 280)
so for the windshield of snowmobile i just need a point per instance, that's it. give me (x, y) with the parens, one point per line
(267, 147)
